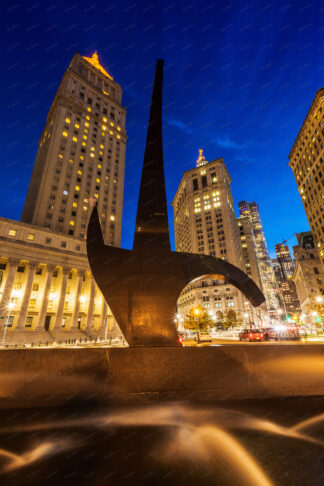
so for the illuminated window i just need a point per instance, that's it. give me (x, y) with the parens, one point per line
(72, 223)
(12, 232)
(84, 144)
(97, 180)
(67, 120)
(101, 146)
(85, 137)
(112, 218)
(85, 200)
(60, 156)
(118, 128)
(65, 134)
(77, 125)
(111, 124)
(81, 157)
(77, 188)
(75, 205)
(74, 139)
(105, 119)
(32, 302)
(88, 108)
(111, 132)
(30, 237)
(104, 127)
(96, 195)
(80, 172)
(99, 166)
(91, 155)
(71, 161)
(88, 117)
(65, 193)
(85, 208)
(87, 124)
(118, 136)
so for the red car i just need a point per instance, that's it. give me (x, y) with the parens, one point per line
(252, 335)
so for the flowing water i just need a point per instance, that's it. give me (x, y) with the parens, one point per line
(255, 443)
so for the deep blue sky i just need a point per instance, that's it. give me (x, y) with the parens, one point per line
(239, 79)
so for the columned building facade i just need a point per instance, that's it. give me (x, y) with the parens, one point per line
(46, 287)
(47, 291)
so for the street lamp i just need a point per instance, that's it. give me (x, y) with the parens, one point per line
(319, 299)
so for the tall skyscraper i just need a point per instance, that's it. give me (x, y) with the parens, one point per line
(306, 160)
(81, 155)
(205, 222)
(285, 261)
(251, 210)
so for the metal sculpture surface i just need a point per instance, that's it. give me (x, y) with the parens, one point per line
(141, 286)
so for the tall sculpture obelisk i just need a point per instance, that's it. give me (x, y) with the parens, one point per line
(142, 285)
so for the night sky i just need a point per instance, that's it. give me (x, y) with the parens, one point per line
(239, 80)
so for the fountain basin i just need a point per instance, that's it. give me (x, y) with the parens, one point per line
(55, 377)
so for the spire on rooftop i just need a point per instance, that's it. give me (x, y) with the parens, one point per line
(94, 61)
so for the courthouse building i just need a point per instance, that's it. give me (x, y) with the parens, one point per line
(46, 284)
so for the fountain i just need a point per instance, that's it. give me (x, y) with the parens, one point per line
(141, 287)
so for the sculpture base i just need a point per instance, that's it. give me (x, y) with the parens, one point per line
(57, 377)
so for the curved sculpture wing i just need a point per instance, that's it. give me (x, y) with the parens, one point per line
(195, 266)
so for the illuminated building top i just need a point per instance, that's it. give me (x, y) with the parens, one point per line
(94, 60)
(201, 159)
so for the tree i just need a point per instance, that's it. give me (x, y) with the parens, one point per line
(198, 320)
(316, 309)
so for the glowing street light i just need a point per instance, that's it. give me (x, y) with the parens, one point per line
(83, 299)
(196, 312)
(11, 305)
(52, 296)
(319, 299)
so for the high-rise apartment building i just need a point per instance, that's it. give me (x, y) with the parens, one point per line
(205, 222)
(251, 211)
(306, 160)
(81, 155)
(285, 261)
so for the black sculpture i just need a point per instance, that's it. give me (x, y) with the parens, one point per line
(141, 286)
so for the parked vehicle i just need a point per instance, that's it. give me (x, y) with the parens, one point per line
(282, 332)
(203, 338)
(252, 335)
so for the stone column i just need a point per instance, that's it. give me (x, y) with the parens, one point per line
(60, 307)
(6, 296)
(103, 313)
(26, 298)
(42, 314)
(91, 304)
(74, 325)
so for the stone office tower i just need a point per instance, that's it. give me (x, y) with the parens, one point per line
(306, 159)
(81, 155)
(205, 222)
(251, 210)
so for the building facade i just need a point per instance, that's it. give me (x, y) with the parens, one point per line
(306, 159)
(251, 211)
(205, 222)
(285, 261)
(286, 286)
(81, 155)
(309, 273)
(47, 292)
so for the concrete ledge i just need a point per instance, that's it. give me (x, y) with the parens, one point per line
(54, 377)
